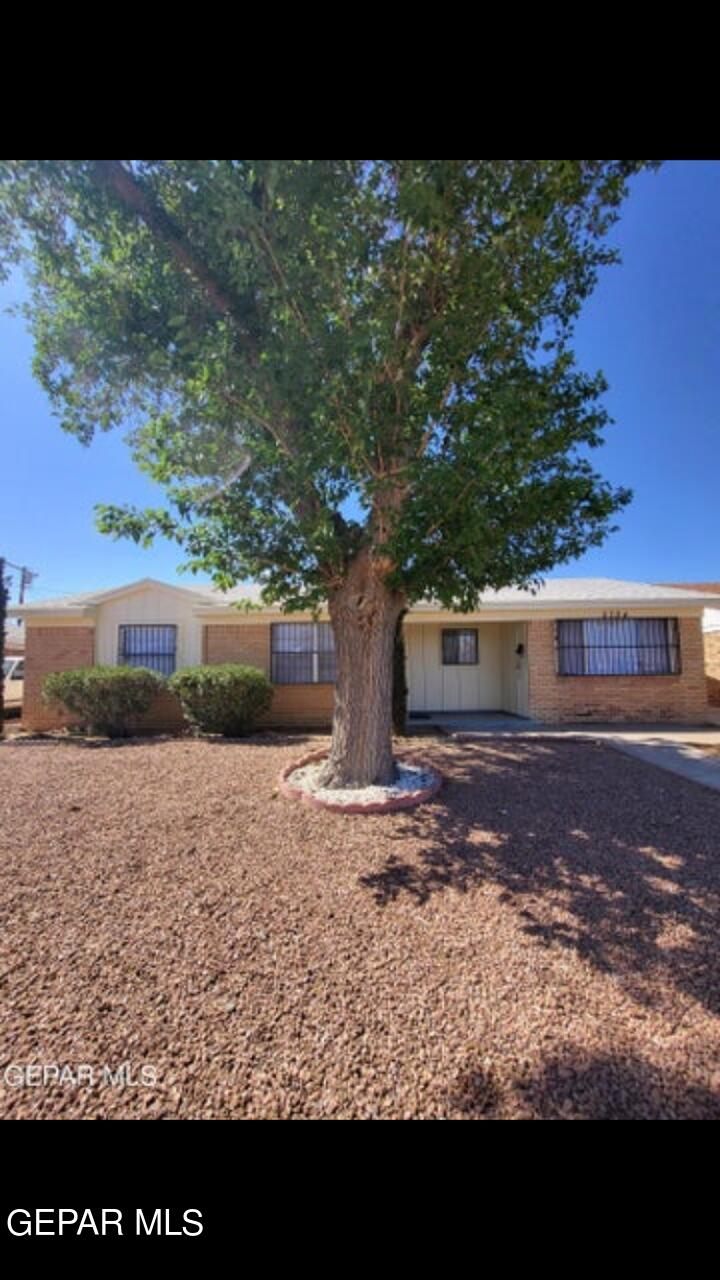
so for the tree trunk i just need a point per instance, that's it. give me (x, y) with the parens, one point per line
(364, 614)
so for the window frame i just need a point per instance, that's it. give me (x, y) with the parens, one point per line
(315, 653)
(122, 658)
(453, 631)
(672, 646)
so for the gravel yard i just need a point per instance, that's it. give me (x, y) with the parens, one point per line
(540, 940)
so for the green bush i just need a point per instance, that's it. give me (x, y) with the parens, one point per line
(227, 698)
(105, 698)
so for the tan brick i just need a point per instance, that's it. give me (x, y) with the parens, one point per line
(712, 666)
(52, 649)
(681, 697)
(238, 643)
(306, 706)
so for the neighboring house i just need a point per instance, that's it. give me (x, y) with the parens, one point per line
(13, 665)
(14, 639)
(711, 637)
(577, 648)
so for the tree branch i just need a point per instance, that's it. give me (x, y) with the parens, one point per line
(113, 177)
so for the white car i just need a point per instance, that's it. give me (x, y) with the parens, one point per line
(13, 674)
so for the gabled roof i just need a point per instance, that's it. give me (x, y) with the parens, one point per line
(83, 600)
(554, 592)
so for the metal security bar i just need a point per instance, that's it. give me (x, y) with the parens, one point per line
(148, 646)
(460, 647)
(302, 653)
(618, 647)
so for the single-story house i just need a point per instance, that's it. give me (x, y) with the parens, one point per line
(575, 649)
(711, 637)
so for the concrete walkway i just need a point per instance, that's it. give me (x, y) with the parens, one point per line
(677, 748)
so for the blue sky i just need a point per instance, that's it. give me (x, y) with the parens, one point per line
(652, 326)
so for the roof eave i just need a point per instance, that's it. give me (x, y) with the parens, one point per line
(64, 611)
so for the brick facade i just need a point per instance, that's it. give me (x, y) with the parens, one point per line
(712, 666)
(682, 697)
(307, 706)
(61, 648)
(52, 649)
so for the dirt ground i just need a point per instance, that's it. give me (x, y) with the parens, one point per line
(540, 941)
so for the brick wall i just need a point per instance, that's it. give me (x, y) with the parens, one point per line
(61, 648)
(307, 706)
(52, 649)
(680, 698)
(712, 666)
(164, 716)
(238, 643)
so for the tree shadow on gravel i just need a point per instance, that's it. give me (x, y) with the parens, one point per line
(605, 856)
(587, 1087)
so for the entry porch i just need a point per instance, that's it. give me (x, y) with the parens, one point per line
(467, 666)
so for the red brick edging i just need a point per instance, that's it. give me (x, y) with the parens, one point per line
(407, 801)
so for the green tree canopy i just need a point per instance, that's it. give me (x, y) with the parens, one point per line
(331, 361)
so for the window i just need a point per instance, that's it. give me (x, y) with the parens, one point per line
(153, 647)
(19, 672)
(302, 653)
(460, 647)
(618, 647)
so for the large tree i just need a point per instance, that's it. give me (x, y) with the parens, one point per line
(354, 378)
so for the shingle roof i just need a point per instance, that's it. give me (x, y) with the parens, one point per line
(55, 604)
(84, 599)
(596, 591)
(554, 591)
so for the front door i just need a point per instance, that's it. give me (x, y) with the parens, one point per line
(460, 662)
(453, 668)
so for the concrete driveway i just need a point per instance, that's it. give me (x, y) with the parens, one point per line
(681, 749)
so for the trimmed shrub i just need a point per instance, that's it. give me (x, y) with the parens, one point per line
(227, 698)
(106, 699)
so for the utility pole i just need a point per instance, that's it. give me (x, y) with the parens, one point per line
(26, 578)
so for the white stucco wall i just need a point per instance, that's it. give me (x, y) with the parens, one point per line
(149, 605)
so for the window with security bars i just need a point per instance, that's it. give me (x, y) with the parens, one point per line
(618, 647)
(148, 646)
(302, 653)
(460, 647)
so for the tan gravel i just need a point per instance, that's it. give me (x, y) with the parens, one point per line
(539, 941)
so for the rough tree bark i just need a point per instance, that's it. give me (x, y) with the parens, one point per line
(364, 614)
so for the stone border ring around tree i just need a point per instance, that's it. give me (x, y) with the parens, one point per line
(430, 780)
